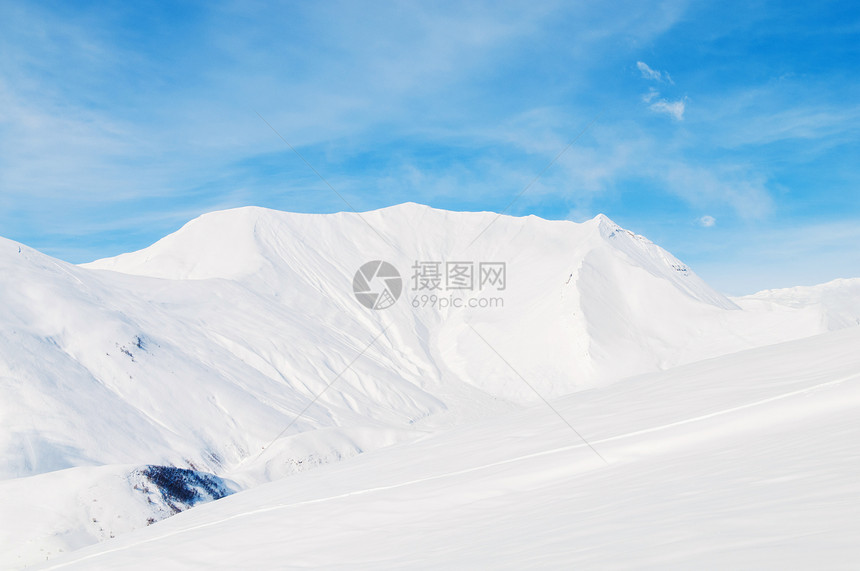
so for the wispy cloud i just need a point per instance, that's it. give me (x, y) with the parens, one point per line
(619, 158)
(707, 221)
(656, 103)
(738, 186)
(653, 74)
(649, 97)
(675, 109)
(747, 259)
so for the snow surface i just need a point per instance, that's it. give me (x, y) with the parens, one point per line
(56, 512)
(838, 301)
(747, 461)
(202, 350)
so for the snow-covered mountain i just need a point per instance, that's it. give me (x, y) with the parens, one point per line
(837, 302)
(236, 346)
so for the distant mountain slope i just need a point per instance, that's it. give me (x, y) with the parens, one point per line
(838, 301)
(642, 309)
(102, 368)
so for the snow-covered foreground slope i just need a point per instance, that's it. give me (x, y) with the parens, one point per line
(236, 347)
(49, 514)
(745, 461)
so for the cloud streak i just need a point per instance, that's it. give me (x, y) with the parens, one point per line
(653, 74)
(674, 109)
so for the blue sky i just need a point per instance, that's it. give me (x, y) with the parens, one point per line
(729, 133)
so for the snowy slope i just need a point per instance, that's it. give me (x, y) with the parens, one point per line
(203, 350)
(108, 369)
(838, 301)
(744, 461)
(61, 511)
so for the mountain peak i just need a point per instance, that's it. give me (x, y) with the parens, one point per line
(604, 220)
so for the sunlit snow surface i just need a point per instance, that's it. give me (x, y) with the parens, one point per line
(430, 446)
(746, 461)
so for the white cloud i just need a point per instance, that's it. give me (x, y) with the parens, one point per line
(739, 187)
(647, 72)
(673, 108)
(653, 74)
(579, 214)
(764, 257)
(649, 97)
(707, 221)
(809, 122)
(617, 157)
